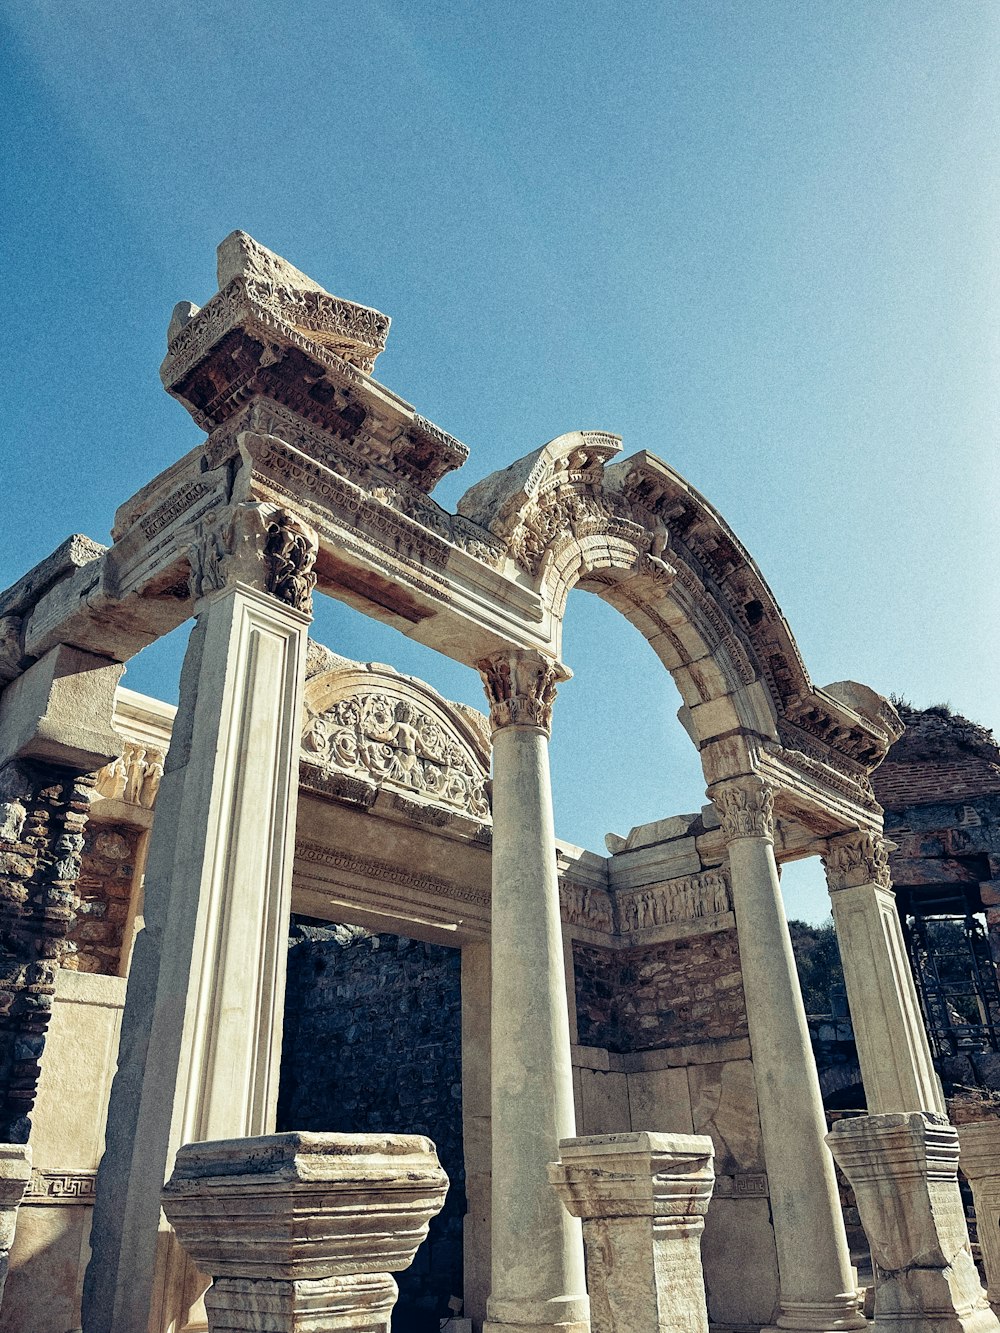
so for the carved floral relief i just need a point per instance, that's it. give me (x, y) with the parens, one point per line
(394, 742)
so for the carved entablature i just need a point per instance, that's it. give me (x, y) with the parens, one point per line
(272, 332)
(554, 497)
(690, 898)
(390, 731)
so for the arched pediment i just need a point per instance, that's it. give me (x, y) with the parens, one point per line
(385, 731)
(634, 531)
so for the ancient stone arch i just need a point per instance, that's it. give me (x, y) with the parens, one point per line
(316, 478)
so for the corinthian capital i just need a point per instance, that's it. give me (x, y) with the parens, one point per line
(745, 806)
(266, 548)
(859, 857)
(521, 688)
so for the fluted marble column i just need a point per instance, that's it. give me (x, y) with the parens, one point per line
(817, 1285)
(201, 1030)
(538, 1279)
(893, 1052)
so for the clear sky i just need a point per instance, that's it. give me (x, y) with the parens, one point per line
(757, 238)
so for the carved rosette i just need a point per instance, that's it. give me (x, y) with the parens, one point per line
(269, 549)
(746, 808)
(521, 689)
(860, 857)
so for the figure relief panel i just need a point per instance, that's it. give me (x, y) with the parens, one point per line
(396, 733)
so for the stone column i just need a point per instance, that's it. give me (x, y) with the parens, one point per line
(537, 1262)
(817, 1283)
(201, 1030)
(302, 1231)
(643, 1199)
(893, 1052)
(904, 1172)
(979, 1158)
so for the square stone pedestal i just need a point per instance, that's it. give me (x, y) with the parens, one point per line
(300, 1232)
(643, 1199)
(904, 1171)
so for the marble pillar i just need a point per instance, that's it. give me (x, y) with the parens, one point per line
(303, 1231)
(904, 1173)
(979, 1158)
(817, 1283)
(642, 1198)
(538, 1279)
(893, 1051)
(201, 1030)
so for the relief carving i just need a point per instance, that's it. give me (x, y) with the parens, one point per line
(395, 743)
(271, 550)
(687, 899)
(521, 689)
(746, 808)
(856, 858)
(584, 906)
(134, 777)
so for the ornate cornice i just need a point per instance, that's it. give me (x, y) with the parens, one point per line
(745, 806)
(521, 689)
(857, 858)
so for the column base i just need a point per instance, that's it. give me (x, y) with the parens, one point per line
(562, 1314)
(829, 1316)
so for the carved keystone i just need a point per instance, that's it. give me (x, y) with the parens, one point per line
(904, 1171)
(643, 1199)
(303, 1230)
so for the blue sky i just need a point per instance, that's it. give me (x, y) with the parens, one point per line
(756, 238)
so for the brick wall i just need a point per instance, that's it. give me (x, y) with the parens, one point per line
(676, 993)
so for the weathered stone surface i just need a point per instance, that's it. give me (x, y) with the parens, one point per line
(59, 711)
(904, 1172)
(303, 1230)
(979, 1159)
(15, 1172)
(642, 1198)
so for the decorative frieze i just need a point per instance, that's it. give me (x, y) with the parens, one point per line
(582, 905)
(746, 808)
(521, 689)
(857, 858)
(61, 1187)
(689, 899)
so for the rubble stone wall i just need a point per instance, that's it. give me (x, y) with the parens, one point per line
(104, 889)
(674, 993)
(43, 815)
(372, 1043)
